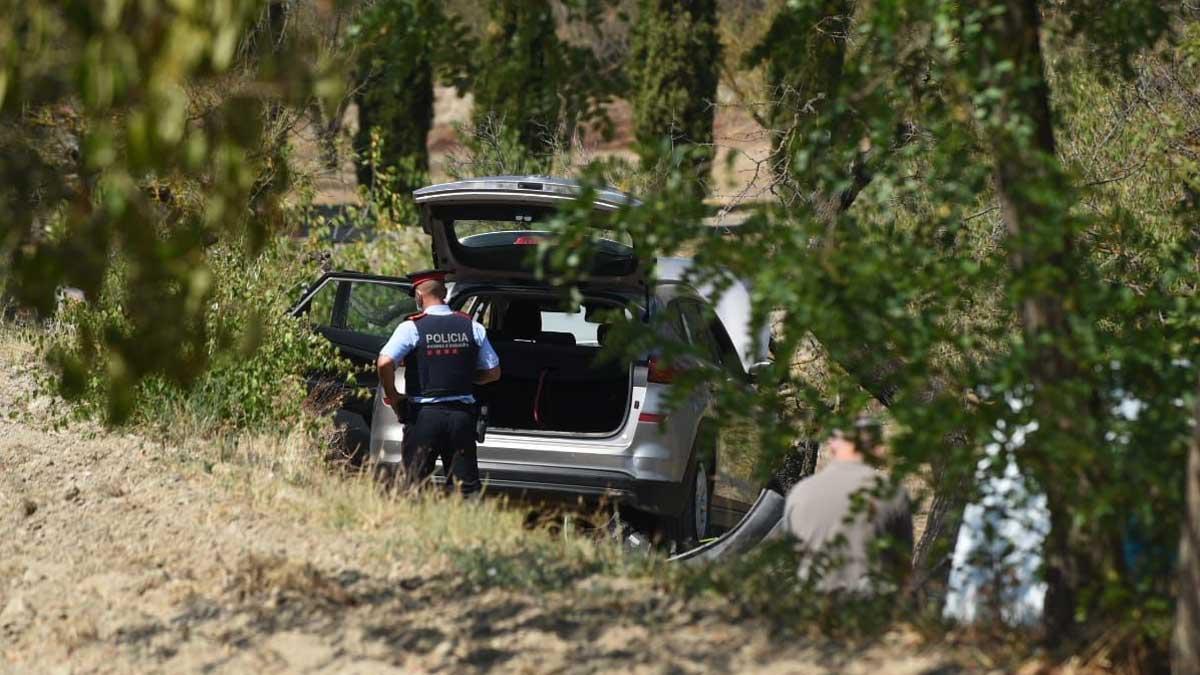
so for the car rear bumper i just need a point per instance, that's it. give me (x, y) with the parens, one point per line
(573, 485)
(589, 485)
(643, 465)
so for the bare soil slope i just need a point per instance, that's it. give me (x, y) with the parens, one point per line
(122, 554)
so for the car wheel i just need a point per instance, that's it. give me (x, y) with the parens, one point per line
(691, 526)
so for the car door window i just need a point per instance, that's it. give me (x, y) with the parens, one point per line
(699, 334)
(673, 322)
(376, 308)
(729, 356)
(480, 309)
(321, 306)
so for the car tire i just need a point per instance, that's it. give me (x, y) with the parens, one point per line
(691, 526)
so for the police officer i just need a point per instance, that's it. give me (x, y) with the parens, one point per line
(445, 353)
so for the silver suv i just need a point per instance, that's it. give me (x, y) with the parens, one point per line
(564, 420)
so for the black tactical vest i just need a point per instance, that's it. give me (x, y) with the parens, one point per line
(443, 362)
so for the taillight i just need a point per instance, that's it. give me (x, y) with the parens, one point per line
(526, 240)
(653, 418)
(658, 373)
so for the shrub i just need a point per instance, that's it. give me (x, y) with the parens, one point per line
(258, 355)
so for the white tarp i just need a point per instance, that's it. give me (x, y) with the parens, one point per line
(998, 556)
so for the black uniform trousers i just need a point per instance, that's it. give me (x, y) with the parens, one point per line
(446, 431)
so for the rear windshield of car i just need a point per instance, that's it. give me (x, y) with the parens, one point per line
(505, 238)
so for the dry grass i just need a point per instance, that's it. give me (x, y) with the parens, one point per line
(488, 540)
(17, 343)
(288, 475)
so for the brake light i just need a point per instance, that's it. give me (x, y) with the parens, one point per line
(658, 373)
(526, 240)
(654, 418)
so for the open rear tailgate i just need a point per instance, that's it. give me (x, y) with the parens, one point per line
(487, 229)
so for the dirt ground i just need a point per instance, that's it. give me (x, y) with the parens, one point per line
(118, 554)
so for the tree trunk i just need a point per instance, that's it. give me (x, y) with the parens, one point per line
(1032, 192)
(931, 555)
(1185, 643)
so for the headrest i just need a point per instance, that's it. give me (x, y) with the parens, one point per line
(557, 338)
(522, 321)
(602, 333)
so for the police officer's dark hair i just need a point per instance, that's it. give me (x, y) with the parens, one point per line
(433, 287)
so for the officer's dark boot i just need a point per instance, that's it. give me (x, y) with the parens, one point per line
(388, 475)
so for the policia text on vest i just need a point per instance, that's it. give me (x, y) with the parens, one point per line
(445, 354)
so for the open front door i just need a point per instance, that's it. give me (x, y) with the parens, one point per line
(357, 313)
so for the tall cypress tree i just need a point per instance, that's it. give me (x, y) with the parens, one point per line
(673, 67)
(804, 52)
(395, 90)
(521, 65)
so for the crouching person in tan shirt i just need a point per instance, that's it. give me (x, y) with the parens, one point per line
(852, 524)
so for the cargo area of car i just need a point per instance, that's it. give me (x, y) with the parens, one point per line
(557, 389)
(554, 377)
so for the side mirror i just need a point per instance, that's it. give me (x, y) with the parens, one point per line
(756, 370)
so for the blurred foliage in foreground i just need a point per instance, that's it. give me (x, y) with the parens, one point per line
(998, 241)
(133, 137)
(982, 214)
(257, 356)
